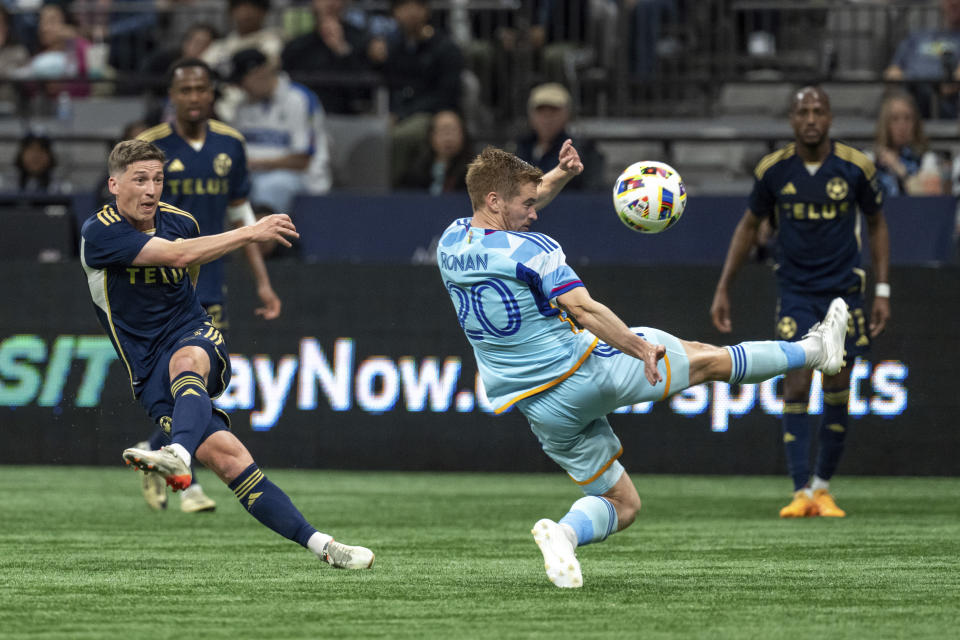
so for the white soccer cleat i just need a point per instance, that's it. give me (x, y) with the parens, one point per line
(152, 485)
(194, 500)
(559, 554)
(345, 556)
(832, 333)
(154, 490)
(164, 461)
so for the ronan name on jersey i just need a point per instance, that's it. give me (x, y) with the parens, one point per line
(504, 285)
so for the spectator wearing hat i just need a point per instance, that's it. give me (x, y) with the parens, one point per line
(284, 126)
(548, 114)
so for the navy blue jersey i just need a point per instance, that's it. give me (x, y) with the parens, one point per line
(204, 182)
(143, 309)
(818, 241)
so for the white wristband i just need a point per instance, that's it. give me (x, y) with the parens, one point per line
(882, 290)
(242, 213)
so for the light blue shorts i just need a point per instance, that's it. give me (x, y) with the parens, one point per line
(570, 419)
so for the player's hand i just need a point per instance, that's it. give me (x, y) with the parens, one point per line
(720, 311)
(570, 159)
(277, 227)
(879, 315)
(271, 303)
(651, 354)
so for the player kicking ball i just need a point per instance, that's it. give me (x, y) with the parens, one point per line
(515, 296)
(138, 254)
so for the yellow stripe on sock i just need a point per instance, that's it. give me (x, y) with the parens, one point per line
(795, 407)
(248, 484)
(837, 397)
(177, 386)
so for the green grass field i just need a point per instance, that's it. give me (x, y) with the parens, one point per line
(81, 556)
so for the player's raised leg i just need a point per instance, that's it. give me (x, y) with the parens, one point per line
(189, 368)
(226, 456)
(753, 362)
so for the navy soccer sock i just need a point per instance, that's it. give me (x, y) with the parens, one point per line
(158, 439)
(833, 432)
(796, 442)
(270, 505)
(191, 410)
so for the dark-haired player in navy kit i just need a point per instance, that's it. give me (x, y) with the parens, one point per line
(811, 191)
(206, 174)
(138, 254)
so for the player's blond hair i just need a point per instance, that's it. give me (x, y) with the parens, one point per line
(497, 170)
(129, 151)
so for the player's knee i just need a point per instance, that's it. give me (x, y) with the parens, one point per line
(627, 511)
(225, 455)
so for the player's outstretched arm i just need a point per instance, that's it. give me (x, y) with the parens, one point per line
(599, 320)
(194, 251)
(743, 239)
(880, 255)
(557, 178)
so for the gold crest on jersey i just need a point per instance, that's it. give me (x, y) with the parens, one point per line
(837, 188)
(787, 327)
(222, 164)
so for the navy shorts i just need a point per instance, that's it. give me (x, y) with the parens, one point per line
(154, 392)
(797, 312)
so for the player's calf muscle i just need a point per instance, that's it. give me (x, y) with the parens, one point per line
(707, 362)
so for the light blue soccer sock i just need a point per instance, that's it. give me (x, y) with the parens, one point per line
(592, 518)
(833, 432)
(191, 410)
(796, 442)
(270, 505)
(761, 360)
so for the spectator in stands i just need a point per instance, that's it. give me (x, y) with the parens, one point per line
(905, 163)
(442, 165)
(559, 33)
(13, 55)
(548, 112)
(283, 123)
(196, 40)
(36, 163)
(62, 52)
(249, 18)
(122, 34)
(929, 61)
(335, 45)
(422, 67)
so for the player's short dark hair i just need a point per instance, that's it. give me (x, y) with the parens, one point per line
(189, 63)
(129, 151)
(497, 170)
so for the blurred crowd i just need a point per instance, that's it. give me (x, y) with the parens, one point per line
(451, 72)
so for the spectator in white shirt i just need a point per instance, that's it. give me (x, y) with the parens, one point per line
(284, 126)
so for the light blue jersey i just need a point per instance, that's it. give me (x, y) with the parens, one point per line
(504, 286)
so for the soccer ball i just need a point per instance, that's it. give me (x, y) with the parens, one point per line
(649, 196)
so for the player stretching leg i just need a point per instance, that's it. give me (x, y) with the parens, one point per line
(137, 253)
(207, 176)
(514, 296)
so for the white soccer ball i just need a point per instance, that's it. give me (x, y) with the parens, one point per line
(649, 196)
